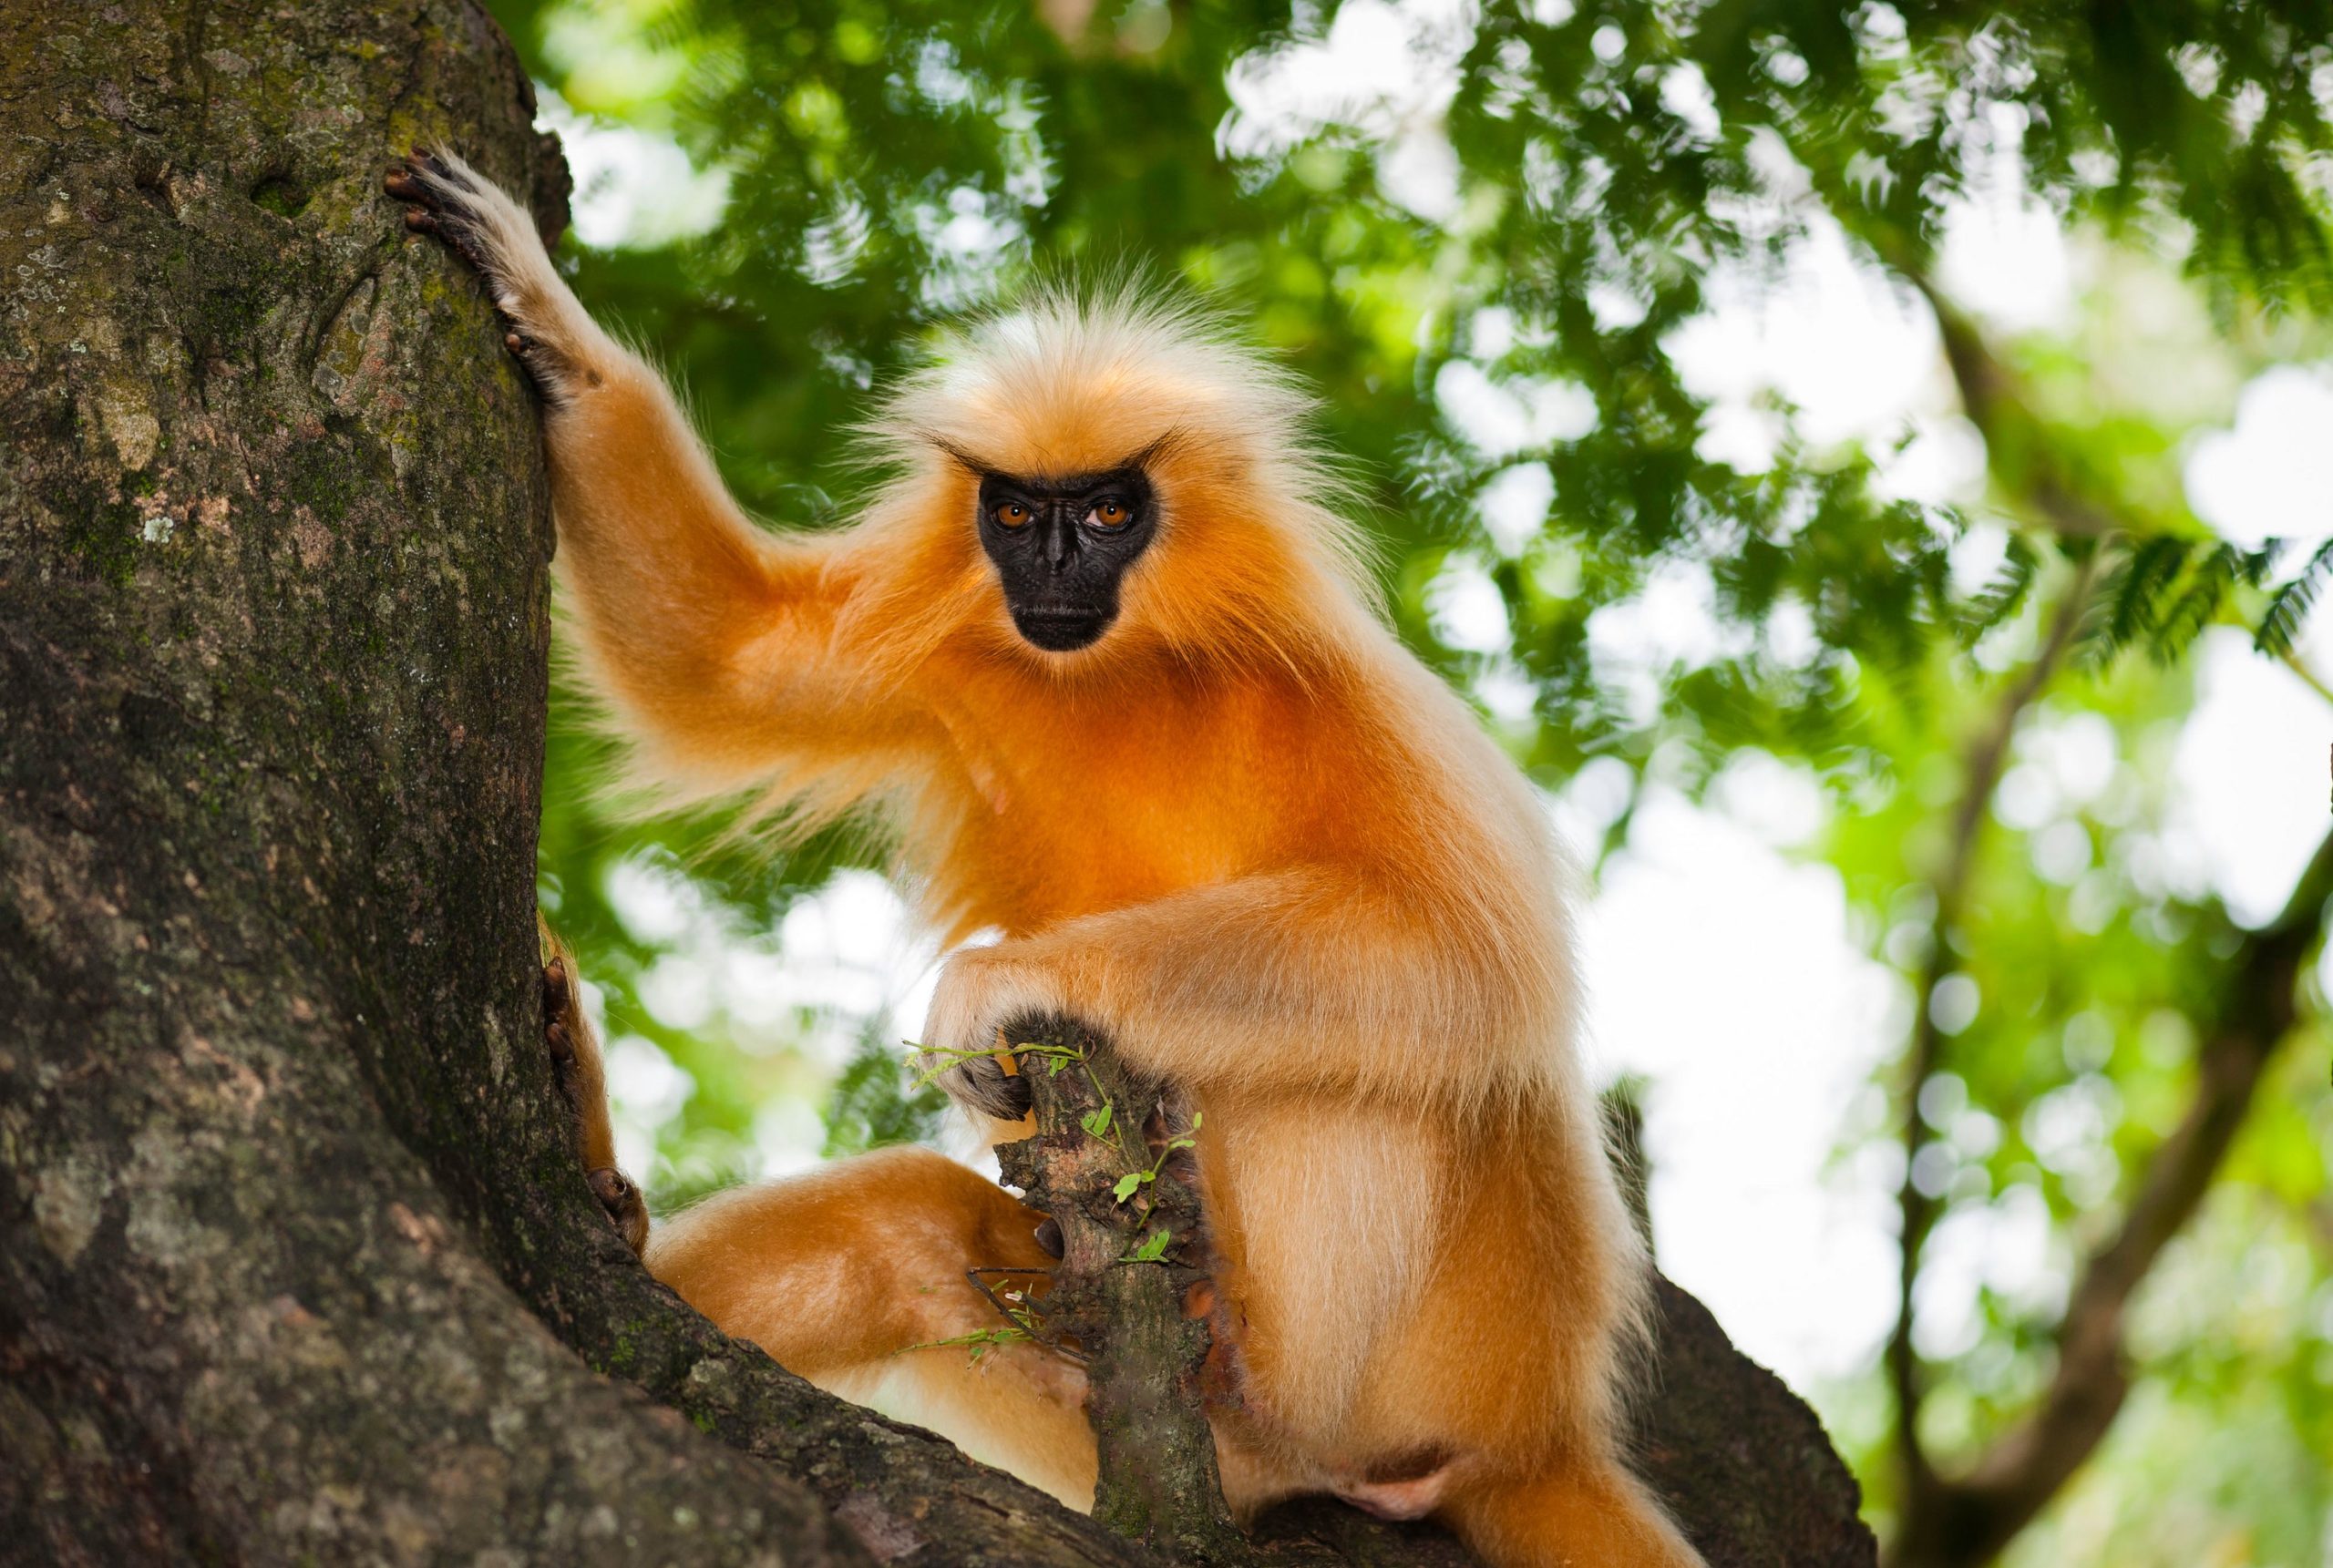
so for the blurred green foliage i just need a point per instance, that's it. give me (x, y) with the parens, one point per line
(1611, 161)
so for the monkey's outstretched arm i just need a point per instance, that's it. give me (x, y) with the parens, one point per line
(1321, 978)
(715, 639)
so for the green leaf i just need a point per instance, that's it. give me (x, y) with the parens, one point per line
(1096, 1123)
(1128, 1184)
(2288, 608)
(1154, 1246)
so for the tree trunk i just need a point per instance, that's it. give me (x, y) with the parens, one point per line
(295, 1261)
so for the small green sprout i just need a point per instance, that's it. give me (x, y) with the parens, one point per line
(1134, 1182)
(1154, 1247)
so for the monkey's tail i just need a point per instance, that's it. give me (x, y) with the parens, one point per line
(1583, 1513)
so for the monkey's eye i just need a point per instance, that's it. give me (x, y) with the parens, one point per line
(1109, 515)
(1011, 515)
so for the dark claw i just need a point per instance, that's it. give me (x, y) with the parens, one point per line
(420, 182)
(439, 170)
(559, 996)
(424, 216)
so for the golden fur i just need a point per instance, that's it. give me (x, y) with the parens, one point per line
(1245, 833)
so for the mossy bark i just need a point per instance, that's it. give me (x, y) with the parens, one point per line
(295, 1262)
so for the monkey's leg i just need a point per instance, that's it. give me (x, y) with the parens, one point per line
(1586, 1513)
(851, 1275)
(583, 1084)
(723, 646)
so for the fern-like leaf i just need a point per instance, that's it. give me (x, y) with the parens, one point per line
(2001, 599)
(2135, 593)
(2290, 606)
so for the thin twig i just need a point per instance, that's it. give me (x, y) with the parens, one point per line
(2308, 678)
(1031, 1307)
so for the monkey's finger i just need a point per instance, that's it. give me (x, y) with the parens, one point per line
(1014, 1093)
(428, 163)
(981, 1085)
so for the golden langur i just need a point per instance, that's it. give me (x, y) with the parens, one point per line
(1100, 656)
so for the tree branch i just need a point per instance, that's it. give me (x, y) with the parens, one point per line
(2019, 455)
(1958, 1522)
(1987, 762)
(1105, 1164)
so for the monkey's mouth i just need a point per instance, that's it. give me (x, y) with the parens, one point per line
(1062, 630)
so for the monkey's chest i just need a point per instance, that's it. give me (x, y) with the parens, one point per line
(1089, 808)
(1055, 858)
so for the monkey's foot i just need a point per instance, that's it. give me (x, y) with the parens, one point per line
(479, 222)
(575, 1066)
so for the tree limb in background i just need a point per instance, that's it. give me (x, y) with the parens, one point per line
(1959, 1521)
(1987, 761)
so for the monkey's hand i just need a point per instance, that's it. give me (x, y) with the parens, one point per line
(551, 335)
(980, 990)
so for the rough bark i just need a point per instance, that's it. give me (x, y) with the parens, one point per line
(276, 1138)
(295, 1264)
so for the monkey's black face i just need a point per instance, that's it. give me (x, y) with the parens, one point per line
(1061, 548)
